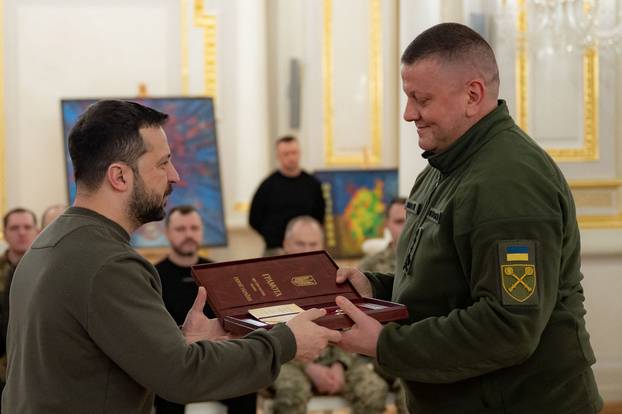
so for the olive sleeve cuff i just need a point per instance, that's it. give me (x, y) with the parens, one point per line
(287, 341)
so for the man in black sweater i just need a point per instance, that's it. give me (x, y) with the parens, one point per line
(184, 230)
(287, 193)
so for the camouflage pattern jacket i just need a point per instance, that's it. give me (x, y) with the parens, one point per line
(383, 261)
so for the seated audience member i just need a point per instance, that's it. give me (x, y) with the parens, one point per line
(20, 230)
(88, 330)
(334, 371)
(384, 262)
(50, 213)
(184, 231)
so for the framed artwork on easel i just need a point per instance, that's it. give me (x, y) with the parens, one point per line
(191, 132)
(356, 202)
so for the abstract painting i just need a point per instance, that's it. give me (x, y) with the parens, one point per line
(191, 132)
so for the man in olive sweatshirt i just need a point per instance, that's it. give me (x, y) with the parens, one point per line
(488, 262)
(88, 331)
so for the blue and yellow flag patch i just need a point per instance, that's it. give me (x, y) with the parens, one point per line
(519, 279)
(517, 253)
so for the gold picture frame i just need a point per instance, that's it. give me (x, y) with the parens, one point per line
(208, 22)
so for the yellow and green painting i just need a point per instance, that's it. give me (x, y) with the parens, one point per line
(355, 207)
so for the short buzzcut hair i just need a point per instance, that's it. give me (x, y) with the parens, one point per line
(286, 139)
(289, 229)
(16, 210)
(107, 132)
(183, 209)
(455, 43)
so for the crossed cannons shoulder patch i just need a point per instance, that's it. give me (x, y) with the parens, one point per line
(517, 260)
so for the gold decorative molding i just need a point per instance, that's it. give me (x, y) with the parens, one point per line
(327, 76)
(207, 22)
(375, 79)
(184, 59)
(588, 151)
(372, 154)
(590, 184)
(242, 207)
(594, 198)
(599, 221)
(521, 66)
(3, 195)
(329, 220)
(143, 91)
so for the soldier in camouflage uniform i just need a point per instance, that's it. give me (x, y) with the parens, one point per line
(334, 371)
(6, 274)
(358, 383)
(20, 230)
(384, 262)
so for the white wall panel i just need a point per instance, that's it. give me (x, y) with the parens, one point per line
(415, 17)
(71, 49)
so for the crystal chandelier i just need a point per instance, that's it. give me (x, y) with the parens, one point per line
(573, 25)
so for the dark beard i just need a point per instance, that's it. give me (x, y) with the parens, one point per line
(145, 207)
(184, 253)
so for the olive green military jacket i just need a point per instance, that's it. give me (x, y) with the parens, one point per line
(6, 267)
(488, 265)
(89, 333)
(6, 271)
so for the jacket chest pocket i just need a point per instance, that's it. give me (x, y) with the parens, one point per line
(426, 222)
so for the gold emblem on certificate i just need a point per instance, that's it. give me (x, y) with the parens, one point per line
(305, 280)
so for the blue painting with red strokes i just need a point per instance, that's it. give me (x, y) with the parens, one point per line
(191, 132)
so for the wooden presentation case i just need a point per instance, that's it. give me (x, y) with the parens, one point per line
(306, 279)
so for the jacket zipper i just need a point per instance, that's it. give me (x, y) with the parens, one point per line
(419, 232)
